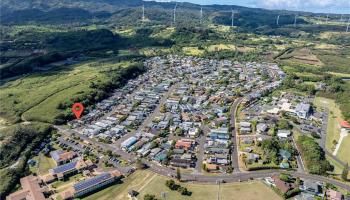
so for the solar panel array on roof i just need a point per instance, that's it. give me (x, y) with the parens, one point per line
(65, 167)
(91, 182)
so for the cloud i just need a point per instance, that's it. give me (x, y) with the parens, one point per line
(302, 4)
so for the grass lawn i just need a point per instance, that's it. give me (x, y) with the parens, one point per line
(147, 182)
(45, 163)
(334, 118)
(63, 185)
(344, 151)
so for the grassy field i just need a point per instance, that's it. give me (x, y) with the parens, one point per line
(45, 163)
(35, 97)
(334, 118)
(146, 182)
(344, 151)
(192, 51)
(219, 47)
(165, 33)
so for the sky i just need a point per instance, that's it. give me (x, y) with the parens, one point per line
(323, 6)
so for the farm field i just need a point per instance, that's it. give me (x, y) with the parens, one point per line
(147, 182)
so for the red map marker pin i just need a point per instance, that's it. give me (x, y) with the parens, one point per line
(77, 109)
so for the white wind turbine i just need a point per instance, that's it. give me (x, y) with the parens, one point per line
(175, 13)
(347, 27)
(143, 13)
(201, 15)
(278, 20)
(233, 12)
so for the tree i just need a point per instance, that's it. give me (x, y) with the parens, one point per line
(344, 174)
(149, 197)
(178, 174)
(162, 108)
(140, 164)
(109, 152)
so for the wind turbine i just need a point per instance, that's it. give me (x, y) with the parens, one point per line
(278, 20)
(233, 12)
(347, 27)
(341, 17)
(327, 18)
(175, 13)
(143, 13)
(295, 20)
(201, 15)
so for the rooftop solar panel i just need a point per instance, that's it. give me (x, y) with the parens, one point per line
(92, 181)
(65, 167)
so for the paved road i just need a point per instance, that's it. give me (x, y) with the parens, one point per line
(301, 166)
(201, 141)
(234, 138)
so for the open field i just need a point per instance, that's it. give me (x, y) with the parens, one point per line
(164, 34)
(44, 164)
(147, 182)
(334, 118)
(302, 56)
(344, 150)
(35, 97)
(192, 51)
(342, 75)
(219, 47)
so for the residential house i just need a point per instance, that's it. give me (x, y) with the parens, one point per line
(184, 144)
(333, 195)
(283, 134)
(245, 127)
(261, 128)
(281, 185)
(311, 187)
